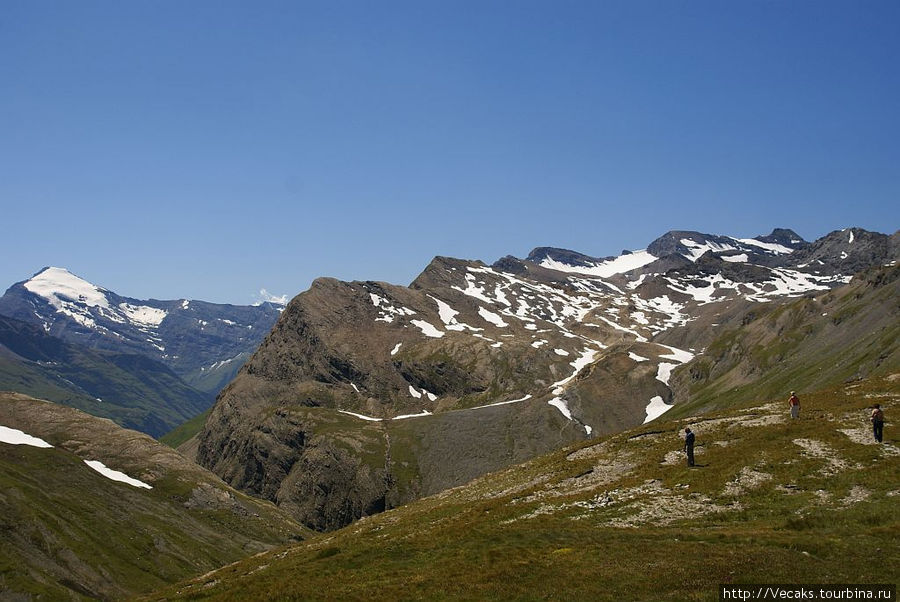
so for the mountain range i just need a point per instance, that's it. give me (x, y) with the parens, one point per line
(204, 343)
(534, 403)
(367, 395)
(150, 365)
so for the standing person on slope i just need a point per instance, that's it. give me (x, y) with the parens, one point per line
(794, 402)
(689, 446)
(877, 422)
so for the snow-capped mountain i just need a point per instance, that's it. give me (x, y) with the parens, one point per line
(439, 380)
(204, 343)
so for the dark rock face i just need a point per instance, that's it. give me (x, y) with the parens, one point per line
(785, 237)
(847, 251)
(564, 256)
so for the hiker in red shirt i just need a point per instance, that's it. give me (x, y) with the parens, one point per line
(795, 405)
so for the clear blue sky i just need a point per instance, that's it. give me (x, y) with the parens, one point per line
(210, 149)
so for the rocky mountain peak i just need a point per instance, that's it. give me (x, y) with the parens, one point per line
(440, 272)
(785, 237)
(565, 256)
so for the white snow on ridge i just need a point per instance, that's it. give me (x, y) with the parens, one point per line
(396, 349)
(697, 249)
(638, 336)
(637, 357)
(405, 416)
(502, 403)
(447, 313)
(742, 258)
(17, 437)
(115, 475)
(149, 316)
(448, 317)
(491, 317)
(586, 357)
(679, 355)
(560, 405)
(704, 294)
(360, 416)
(619, 265)
(790, 282)
(215, 365)
(656, 408)
(388, 311)
(414, 393)
(851, 238)
(473, 290)
(428, 329)
(664, 372)
(769, 246)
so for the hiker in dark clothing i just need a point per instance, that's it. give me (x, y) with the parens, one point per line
(689, 446)
(877, 422)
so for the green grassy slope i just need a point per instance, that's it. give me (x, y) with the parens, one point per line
(185, 431)
(68, 531)
(838, 336)
(623, 518)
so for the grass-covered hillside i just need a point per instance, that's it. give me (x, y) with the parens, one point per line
(814, 342)
(69, 532)
(623, 518)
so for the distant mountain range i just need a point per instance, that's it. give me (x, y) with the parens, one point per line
(366, 395)
(148, 364)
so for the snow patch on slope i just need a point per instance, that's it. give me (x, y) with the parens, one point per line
(656, 408)
(17, 437)
(116, 475)
(605, 269)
